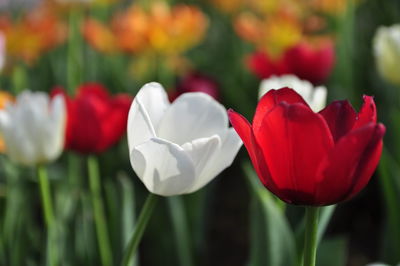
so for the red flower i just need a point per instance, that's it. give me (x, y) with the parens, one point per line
(309, 158)
(263, 66)
(95, 120)
(196, 82)
(311, 62)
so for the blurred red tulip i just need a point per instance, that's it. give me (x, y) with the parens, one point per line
(95, 120)
(196, 82)
(309, 158)
(311, 62)
(263, 66)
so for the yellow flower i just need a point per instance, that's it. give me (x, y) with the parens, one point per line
(274, 33)
(5, 98)
(387, 52)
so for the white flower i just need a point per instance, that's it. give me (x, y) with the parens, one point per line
(387, 52)
(315, 97)
(178, 148)
(33, 128)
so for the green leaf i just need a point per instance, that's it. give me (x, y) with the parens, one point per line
(128, 212)
(272, 240)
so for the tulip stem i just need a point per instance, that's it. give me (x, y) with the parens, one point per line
(48, 214)
(310, 239)
(99, 215)
(140, 227)
(46, 196)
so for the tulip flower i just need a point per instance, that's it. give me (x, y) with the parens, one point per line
(5, 98)
(311, 61)
(309, 158)
(178, 148)
(196, 82)
(33, 128)
(387, 52)
(263, 66)
(314, 97)
(96, 121)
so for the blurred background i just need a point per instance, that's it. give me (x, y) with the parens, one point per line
(223, 48)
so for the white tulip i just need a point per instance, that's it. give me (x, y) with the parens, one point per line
(33, 128)
(387, 52)
(178, 148)
(315, 97)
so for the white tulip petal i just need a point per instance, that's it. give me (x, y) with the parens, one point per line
(221, 159)
(192, 116)
(140, 128)
(164, 167)
(33, 129)
(154, 100)
(201, 150)
(319, 99)
(316, 98)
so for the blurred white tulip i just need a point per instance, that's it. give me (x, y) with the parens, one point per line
(387, 52)
(33, 128)
(178, 148)
(315, 97)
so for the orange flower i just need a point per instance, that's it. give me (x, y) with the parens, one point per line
(99, 36)
(159, 29)
(273, 34)
(34, 34)
(5, 98)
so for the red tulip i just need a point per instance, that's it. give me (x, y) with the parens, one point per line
(197, 82)
(309, 158)
(95, 120)
(311, 62)
(263, 66)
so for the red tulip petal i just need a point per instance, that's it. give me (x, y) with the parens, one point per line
(337, 175)
(367, 113)
(340, 117)
(114, 122)
(244, 130)
(93, 89)
(368, 162)
(270, 100)
(294, 139)
(85, 124)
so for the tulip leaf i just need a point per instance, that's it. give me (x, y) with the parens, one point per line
(272, 240)
(128, 212)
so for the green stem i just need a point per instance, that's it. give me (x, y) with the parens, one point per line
(140, 227)
(179, 223)
(99, 216)
(310, 244)
(46, 196)
(48, 215)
